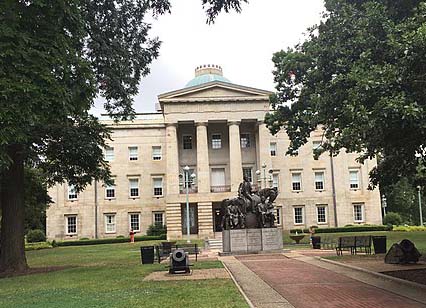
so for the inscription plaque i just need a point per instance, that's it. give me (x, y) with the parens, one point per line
(254, 240)
(239, 240)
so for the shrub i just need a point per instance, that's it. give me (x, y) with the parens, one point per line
(84, 239)
(38, 246)
(156, 229)
(392, 218)
(359, 228)
(111, 240)
(35, 236)
(409, 228)
(120, 236)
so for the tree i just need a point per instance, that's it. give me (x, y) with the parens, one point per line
(360, 78)
(55, 58)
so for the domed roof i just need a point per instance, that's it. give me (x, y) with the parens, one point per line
(205, 74)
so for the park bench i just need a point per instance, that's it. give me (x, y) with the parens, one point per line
(328, 242)
(164, 250)
(353, 243)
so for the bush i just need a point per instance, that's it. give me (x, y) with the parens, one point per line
(392, 218)
(409, 228)
(359, 228)
(35, 236)
(111, 240)
(156, 229)
(38, 246)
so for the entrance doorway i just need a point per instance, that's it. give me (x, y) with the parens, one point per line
(217, 217)
(193, 218)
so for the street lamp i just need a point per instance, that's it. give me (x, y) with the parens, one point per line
(384, 205)
(419, 190)
(264, 178)
(186, 180)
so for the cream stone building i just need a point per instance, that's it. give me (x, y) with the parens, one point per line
(216, 128)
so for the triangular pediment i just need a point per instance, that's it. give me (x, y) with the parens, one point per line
(214, 90)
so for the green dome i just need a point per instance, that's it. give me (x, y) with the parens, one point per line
(204, 79)
(205, 74)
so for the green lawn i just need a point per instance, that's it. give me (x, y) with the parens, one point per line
(417, 237)
(110, 275)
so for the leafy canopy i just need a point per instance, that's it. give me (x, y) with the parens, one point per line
(360, 78)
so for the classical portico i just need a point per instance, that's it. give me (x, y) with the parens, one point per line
(208, 120)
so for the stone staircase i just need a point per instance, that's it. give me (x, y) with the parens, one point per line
(215, 243)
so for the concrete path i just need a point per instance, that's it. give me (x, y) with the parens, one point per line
(307, 282)
(254, 289)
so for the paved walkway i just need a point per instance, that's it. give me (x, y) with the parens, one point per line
(303, 281)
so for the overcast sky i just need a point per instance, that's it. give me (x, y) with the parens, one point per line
(242, 44)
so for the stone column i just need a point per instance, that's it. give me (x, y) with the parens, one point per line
(203, 168)
(235, 164)
(173, 210)
(205, 220)
(263, 151)
(173, 221)
(172, 156)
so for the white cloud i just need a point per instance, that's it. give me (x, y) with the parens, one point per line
(242, 44)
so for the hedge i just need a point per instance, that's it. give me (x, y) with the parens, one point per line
(362, 228)
(111, 240)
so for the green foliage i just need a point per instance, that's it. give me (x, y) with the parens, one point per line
(392, 218)
(35, 236)
(360, 228)
(36, 199)
(409, 228)
(156, 229)
(359, 77)
(38, 246)
(110, 240)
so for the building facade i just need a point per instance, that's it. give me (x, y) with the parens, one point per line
(215, 128)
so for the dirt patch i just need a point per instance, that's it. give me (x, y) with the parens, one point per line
(198, 274)
(415, 275)
(35, 270)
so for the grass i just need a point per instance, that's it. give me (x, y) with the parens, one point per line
(110, 276)
(417, 237)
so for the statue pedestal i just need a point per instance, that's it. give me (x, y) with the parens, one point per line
(243, 241)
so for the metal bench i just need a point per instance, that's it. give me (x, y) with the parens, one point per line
(353, 244)
(164, 250)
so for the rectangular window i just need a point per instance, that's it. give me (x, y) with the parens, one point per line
(71, 224)
(298, 215)
(72, 193)
(159, 219)
(158, 186)
(187, 142)
(109, 153)
(319, 180)
(245, 140)
(134, 187)
(216, 141)
(278, 215)
(273, 148)
(109, 223)
(247, 172)
(135, 222)
(133, 153)
(321, 214)
(110, 191)
(275, 180)
(358, 212)
(354, 179)
(296, 181)
(156, 153)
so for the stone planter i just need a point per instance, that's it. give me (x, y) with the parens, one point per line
(297, 237)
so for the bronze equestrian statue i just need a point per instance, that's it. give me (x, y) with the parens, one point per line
(260, 204)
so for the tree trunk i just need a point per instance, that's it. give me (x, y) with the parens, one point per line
(12, 254)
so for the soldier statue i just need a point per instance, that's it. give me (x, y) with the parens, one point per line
(245, 192)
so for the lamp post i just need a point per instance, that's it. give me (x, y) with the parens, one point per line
(384, 205)
(186, 180)
(419, 190)
(264, 178)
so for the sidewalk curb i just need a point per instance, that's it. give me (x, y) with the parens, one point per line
(399, 280)
(238, 286)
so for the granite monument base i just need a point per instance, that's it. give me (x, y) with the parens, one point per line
(243, 241)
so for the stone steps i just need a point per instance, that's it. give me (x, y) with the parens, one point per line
(215, 244)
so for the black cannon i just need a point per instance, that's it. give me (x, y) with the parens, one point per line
(179, 262)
